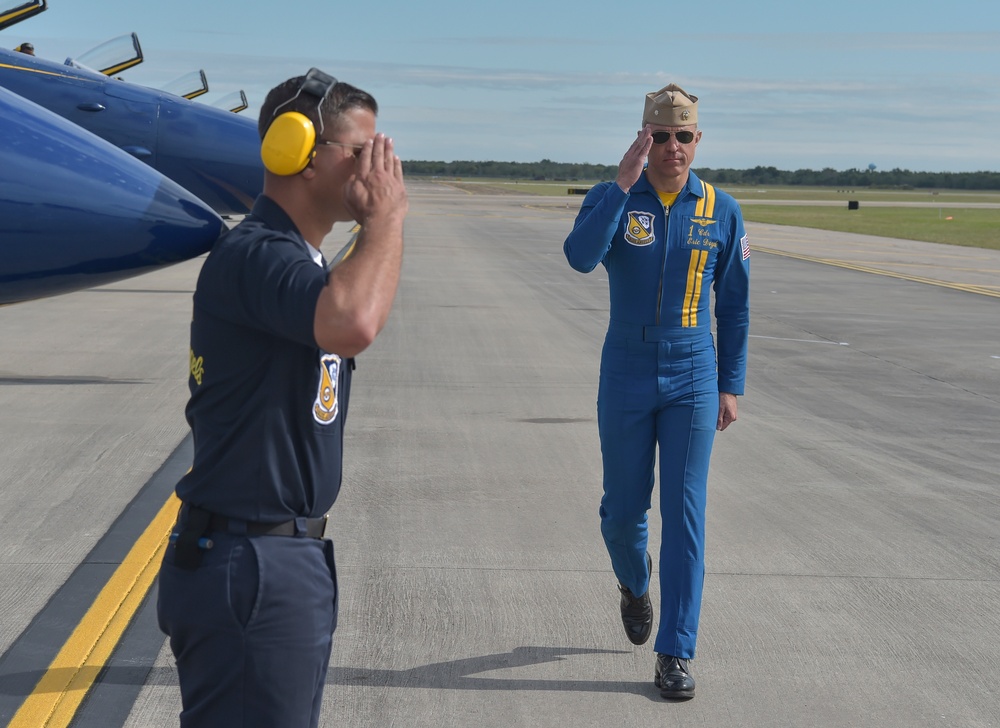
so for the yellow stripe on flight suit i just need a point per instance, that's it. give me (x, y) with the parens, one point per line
(699, 259)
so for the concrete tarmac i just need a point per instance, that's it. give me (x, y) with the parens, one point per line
(854, 508)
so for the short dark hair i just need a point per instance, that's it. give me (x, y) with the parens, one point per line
(340, 99)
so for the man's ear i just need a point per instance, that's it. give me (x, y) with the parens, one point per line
(309, 172)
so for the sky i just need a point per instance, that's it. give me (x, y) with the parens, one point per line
(792, 84)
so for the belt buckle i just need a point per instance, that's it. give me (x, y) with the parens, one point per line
(326, 519)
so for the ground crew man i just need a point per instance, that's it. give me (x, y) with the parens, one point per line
(667, 240)
(248, 590)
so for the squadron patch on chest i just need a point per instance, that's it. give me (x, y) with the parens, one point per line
(326, 407)
(639, 228)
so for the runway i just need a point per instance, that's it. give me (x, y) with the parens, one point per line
(854, 509)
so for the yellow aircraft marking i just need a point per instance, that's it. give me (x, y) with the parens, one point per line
(61, 690)
(967, 287)
(124, 65)
(26, 8)
(44, 73)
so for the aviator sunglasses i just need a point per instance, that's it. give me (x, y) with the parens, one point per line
(683, 137)
(356, 147)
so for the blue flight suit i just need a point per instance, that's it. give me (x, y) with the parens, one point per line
(660, 374)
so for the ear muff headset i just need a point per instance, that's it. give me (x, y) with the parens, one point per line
(290, 141)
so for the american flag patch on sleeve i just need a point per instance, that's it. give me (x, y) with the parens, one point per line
(745, 246)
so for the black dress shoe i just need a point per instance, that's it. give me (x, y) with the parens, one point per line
(637, 612)
(672, 677)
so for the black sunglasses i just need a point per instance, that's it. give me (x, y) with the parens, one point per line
(683, 137)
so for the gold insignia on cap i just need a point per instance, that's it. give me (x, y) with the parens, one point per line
(670, 106)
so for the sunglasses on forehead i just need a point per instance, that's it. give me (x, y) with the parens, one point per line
(683, 137)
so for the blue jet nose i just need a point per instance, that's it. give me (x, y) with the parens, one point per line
(211, 152)
(77, 212)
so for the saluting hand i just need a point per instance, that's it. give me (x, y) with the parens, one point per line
(632, 163)
(376, 188)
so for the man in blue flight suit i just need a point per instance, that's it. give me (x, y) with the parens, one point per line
(248, 591)
(666, 238)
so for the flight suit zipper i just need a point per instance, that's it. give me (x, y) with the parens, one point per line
(663, 265)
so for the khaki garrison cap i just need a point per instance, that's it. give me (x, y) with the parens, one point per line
(670, 106)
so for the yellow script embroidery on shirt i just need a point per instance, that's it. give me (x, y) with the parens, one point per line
(197, 366)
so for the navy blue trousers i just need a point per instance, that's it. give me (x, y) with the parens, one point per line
(659, 394)
(251, 630)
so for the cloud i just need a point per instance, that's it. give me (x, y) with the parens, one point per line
(919, 121)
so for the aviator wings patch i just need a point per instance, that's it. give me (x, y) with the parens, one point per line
(639, 228)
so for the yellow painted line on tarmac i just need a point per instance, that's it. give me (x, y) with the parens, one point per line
(61, 690)
(967, 287)
(348, 250)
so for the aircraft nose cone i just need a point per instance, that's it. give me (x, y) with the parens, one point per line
(76, 211)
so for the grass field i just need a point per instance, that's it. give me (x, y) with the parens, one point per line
(827, 194)
(970, 226)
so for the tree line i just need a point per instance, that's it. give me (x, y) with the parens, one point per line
(546, 169)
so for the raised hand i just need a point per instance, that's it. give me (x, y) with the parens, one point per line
(632, 163)
(376, 188)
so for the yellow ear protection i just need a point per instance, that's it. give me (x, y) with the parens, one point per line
(290, 141)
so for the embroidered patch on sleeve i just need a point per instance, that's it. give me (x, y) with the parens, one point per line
(639, 228)
(326, 407)
(745, 246)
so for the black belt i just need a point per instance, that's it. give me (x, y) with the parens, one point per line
(190, 536)
(301, 527)
(202, 521)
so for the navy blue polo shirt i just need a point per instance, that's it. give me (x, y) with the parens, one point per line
(267, 405)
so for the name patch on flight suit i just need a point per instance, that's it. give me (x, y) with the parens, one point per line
(326, 407)
(702, 233)
(639, 228)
